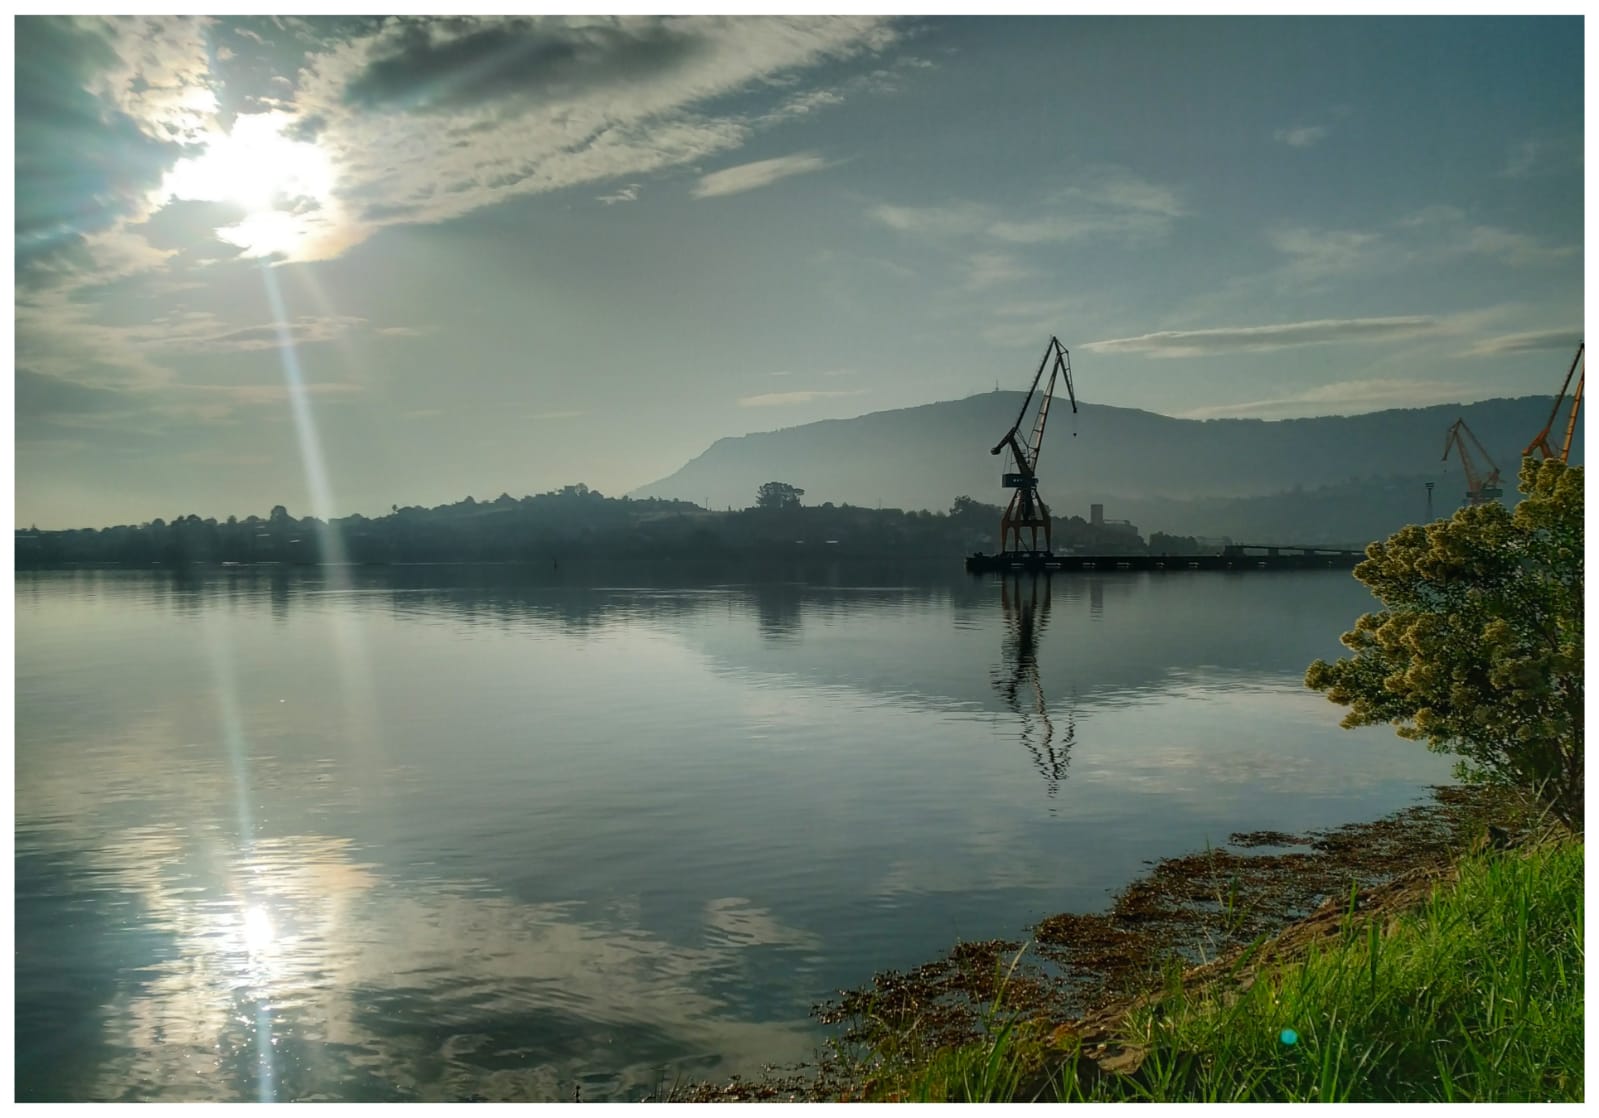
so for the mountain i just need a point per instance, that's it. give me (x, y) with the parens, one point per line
(1323, 479)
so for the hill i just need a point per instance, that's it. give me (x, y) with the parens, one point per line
(1323, 479)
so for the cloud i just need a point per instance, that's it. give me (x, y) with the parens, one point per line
(429, 120)
(1316, 254)
(953, 220)
(1542, 156)
(1350, 397)
(752, 176)
(785, 399)
(993, 269)
(431, 66)
(628, 193)
(1104, 200)
(304, 330)
(1525, 342)
(1255, 339)
(1516, 249)
(544, 416)
(1452, 232)
(1302, 137)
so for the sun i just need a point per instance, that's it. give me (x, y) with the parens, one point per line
(254, 166)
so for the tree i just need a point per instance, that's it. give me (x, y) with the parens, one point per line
(778, 495)
(1478, 649)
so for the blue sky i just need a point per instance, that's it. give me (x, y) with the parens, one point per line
(343, 264)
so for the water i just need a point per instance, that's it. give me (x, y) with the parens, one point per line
(455, 832)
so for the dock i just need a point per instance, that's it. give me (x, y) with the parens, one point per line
(1235, 557)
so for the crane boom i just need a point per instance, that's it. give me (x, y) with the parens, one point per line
(1480, 488)
(1540, 442)
(1026, 454)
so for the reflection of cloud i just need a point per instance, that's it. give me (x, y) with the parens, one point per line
(299, 924)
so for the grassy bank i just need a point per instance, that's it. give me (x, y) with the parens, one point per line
(1466, 987)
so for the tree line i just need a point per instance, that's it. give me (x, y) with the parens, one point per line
(574, 522)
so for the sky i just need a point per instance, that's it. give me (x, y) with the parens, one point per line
(349, 263)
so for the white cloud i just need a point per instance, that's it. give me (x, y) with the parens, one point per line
(1542, 156)
(159, 74)
(1302, 137)
(1349, 397)
(1316, 254)
(1104, 200)
(952, 220)
(1525, 342)
(786, 399)
(420, 134)
(1516, 249)
(1255, 339)
(993, 269)
(752, 176)
(628, 193)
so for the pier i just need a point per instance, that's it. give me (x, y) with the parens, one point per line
(1235, 557)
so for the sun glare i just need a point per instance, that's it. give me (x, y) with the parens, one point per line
(258, 932)
(255, 166)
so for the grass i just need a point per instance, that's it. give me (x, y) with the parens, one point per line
(1476, 995)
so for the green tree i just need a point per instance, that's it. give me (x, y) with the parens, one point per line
(778, 495)
(1478, 649)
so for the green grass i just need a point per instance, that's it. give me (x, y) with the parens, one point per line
(1475, 996)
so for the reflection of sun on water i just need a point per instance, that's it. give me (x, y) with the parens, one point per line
(282, 184)
(257, 929)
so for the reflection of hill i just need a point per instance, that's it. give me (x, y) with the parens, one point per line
(913, 634)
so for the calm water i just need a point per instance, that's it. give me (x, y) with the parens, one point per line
(437, 833)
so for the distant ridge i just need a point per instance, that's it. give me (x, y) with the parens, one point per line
(1212, 476)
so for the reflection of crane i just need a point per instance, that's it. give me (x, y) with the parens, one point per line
(1541, 443)
(1027, 509)
(1026, 617)
(1480, 488)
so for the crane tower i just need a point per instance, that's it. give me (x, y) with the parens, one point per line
(1480, 487)
(1027, 511)
(1540, 443)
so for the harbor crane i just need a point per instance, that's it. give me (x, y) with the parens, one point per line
(1540, 444)
(1480, 488)
(1027, 510)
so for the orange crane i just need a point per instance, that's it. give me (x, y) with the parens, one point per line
(1541, 443)
(1027, 509)
(1480, 488)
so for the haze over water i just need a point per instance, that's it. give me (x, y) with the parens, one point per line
(455, 832)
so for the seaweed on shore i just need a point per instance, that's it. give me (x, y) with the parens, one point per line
(1187, 912)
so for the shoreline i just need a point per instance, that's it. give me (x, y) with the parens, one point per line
(1078, 975)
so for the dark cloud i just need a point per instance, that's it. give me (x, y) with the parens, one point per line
(454, 63)
(80, 164)
(39, 396)
(183, 223)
